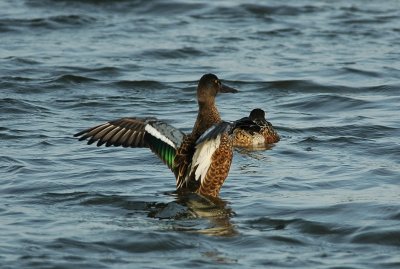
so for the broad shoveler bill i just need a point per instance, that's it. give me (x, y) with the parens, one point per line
(254, 131)
(200, 160)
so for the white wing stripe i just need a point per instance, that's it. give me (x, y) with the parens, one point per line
(154, 132)
(202, 157)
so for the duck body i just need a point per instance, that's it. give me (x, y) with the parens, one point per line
(200, 160)
(254, 131)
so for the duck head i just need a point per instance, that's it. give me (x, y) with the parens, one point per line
(257, 114)
(209, 86)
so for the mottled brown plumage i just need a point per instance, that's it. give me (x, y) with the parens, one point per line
(207, 116)
(254, 131)
(220, 164)
(183, 159)
(172, 146)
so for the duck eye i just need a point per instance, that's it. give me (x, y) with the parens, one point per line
(217, 82)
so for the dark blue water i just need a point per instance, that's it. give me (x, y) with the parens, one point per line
(327, 73)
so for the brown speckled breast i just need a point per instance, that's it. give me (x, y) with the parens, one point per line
(270, 135)
(219, 168)
(267, 135)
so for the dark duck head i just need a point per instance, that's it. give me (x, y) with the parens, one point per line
(208, 88)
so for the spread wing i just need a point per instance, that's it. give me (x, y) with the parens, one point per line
(162, 138)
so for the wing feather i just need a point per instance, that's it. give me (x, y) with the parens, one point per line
(162, 138)
(202, 157)
(108, 138)
(205, 147)
(96, 132)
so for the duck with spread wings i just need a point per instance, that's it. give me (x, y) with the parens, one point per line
(200, 160)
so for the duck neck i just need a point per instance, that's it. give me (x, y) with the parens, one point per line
(207, 116)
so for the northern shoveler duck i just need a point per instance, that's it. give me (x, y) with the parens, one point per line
(254, 131)
(200, 160)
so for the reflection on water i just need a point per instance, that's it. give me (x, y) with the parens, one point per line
(198, 214)
(252, 151)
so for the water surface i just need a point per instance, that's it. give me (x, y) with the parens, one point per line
(326, 196)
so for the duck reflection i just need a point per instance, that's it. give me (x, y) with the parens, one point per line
(197, 214)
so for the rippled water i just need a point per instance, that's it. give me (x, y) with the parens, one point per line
(327, 73)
